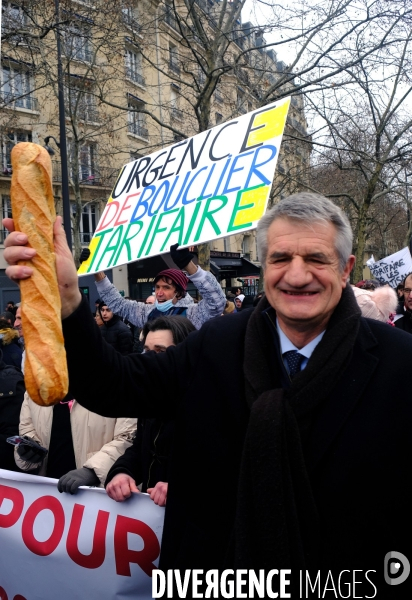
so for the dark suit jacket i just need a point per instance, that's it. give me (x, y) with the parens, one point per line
(358, 453)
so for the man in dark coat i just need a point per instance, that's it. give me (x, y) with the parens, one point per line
(115, 332)
(296, 415)
(11, 398)
(405, 307)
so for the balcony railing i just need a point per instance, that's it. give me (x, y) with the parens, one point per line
(96, 175)
(138, 129)
(6, 170)
(15, 101)
(135, 76)
(81, 52)
(84, 113)
(130, 20)
(3, 234)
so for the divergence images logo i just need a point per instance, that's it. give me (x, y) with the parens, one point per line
(396, 568)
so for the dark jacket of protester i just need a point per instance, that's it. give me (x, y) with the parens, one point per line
(118, 335)
(404, 322)
(9, 344)
(11, 398)
(147, 459)
(341, 503)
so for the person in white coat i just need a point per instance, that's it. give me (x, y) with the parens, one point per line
(89, 443)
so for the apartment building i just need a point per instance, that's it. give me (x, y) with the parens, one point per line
(136, 76)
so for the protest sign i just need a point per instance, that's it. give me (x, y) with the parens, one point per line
(84, 546)
(392, 269)
(203, 188)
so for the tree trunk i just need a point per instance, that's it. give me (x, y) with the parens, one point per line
(408, 235)
(360, 250)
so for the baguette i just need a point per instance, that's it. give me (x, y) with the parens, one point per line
(32, 201)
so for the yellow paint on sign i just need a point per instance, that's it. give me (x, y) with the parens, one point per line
(270, 123)
(254, 202)
(92, 247)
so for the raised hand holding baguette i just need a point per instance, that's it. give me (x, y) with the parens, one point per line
(34, 214)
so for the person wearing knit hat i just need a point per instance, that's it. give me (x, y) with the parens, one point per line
(170, 293)
(239, 302)
(379, 304)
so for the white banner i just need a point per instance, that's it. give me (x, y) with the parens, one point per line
(392, 269)
(58, 546)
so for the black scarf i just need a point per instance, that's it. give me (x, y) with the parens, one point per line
(276, 524)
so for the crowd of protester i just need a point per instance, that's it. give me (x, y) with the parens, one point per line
(79, 447)
(132, 455)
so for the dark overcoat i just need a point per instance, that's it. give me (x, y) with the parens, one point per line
(358, 454)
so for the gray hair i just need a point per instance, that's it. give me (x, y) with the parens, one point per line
(309, 208)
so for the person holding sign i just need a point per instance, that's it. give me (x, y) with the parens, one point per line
(296, 415)
(170, 293)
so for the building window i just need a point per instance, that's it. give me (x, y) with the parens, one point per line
(17, 87)
(6, 213)
(175, 111)
(13, 19)
(246, 246)
(137, 119)
(170, 16)
(134, 67)
(218, 118)
(218, 94)
(87, 160)
(77, 42)
(174, 58)
(130, 15)
(88, 223)
(8, 143)
(86, 163)
(80, 103)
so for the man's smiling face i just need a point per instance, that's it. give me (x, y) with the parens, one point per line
(303, 278)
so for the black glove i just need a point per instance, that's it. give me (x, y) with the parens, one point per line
(181, 258)
(84, 255)
(74, 479)
(30, 454)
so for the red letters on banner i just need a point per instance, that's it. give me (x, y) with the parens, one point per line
(9, 493)
(48, 546)
(95, 559)
(4, 596)
(124, 556)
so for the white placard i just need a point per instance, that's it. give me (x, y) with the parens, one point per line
(214, 184)
(392, 269)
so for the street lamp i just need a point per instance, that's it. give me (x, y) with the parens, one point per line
(49, 148)
(67, 222)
